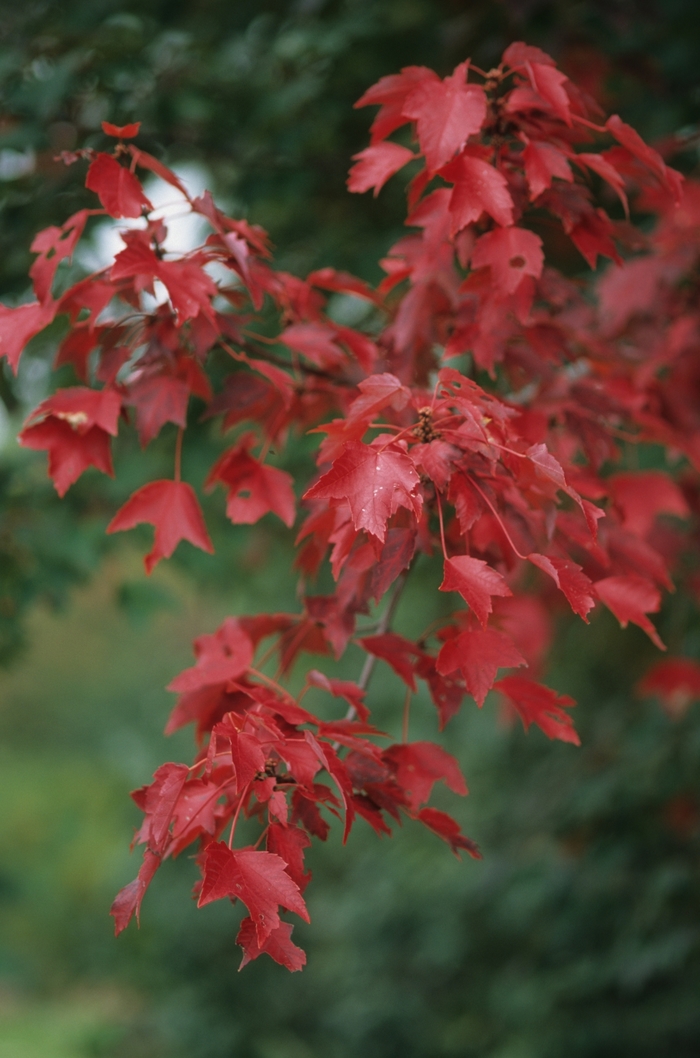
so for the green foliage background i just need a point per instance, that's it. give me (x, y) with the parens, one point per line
(580, 932)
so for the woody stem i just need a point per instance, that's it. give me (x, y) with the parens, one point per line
(382, 627)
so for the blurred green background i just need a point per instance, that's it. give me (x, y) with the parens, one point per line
(579, 934)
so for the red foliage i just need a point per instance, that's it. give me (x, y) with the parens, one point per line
(502, 464)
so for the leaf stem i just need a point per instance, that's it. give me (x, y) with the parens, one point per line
(382, 626)
(497, 517)
(178, 453)
(442, 527)
(406, 715)
(244, 794)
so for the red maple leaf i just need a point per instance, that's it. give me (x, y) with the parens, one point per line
(478, 188)
(173, 509)
(221, 657)
(127, 902)
(258, 879)
(447, 113)
(576, 586)
(375, 482)
(396, 651)
(419, 765)
(536, 704)
(631, 598)
(543, 162)
(122, 132)
(18, 325)
(476, 582)
(512, 254)
(642, 496)
(479, 655)
(675, 682)
(278, 945)
(254, 487)
(549, 83)
(448, 829)
(375, 165)
(117, 188)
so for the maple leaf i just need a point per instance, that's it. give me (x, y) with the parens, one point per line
(675, 682)
(549, 83)
(127, 902)
(315, 341)
(391, 92)
(478, 188)
(608, 172)
(257, 879)
(396, 651)
(75, 426)
(447, 113)
(476, 582)
(536, 704)
(226, 655)
(19, 325)
(396, 555)
(633, 142)
(254, 487)
(376, 164)
(121, 132)
(512, 254)
(448, 829)
(542, 163)
(375, 482)
(479, 655)
(173, 509)
(576, 586)
(351, 692)
(278, 945)
(640, 497)
(117, 188)
(158, 802)
(289, 842)
(53, 246)
(631, 598)
(419, 765)
(158, 398)
(376, 393)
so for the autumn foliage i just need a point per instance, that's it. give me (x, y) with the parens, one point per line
(486, 416)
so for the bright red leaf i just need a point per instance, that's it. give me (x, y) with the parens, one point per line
(375, 482)
(478, 656)
(173, 509)
(536, 704)
(476, 582)
(117, 188)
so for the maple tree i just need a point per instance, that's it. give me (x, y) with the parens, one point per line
(483, 417)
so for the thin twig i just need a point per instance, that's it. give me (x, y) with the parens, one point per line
(382, 626)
